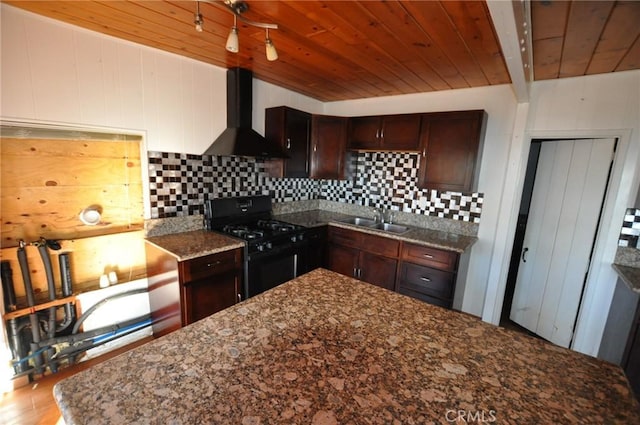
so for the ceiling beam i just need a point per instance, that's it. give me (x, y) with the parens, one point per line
(515, 40)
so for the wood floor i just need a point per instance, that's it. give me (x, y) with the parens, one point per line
(33, 404)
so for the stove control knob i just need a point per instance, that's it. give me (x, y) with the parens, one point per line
(260, 247)
(294, 238)
(268, 245)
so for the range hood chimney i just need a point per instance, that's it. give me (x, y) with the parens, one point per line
(239, 138)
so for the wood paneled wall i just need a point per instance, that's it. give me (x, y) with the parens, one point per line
(45, 183)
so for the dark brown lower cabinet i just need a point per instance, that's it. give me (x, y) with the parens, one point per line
(428, 274)
(182, 292)
(370, 258)
(425, 273)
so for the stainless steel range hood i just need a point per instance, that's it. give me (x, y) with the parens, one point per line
(239, 138)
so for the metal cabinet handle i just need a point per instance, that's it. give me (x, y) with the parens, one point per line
(382, 133)
(213, 264)
(288, 143)
(524, 255)
(425, 279)
(428, 256)
(239, 297)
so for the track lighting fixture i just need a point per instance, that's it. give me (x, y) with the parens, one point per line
(272, 53)
(237, 8)
(232, 40)
(198, 18)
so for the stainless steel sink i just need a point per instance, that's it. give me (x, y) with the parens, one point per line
(359, 221)
(393, 228)
(372, 224)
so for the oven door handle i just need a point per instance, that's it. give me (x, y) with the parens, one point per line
(294, 249)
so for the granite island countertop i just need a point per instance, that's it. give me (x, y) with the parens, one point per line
(197, 243)
(417, 235)
(328, 349)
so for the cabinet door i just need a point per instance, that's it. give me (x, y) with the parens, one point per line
(451, 145)
(208, 295)
(343, 259)
(401, 132)
(317, 248)
(296, 143)
(209, 284)
(328, 147)
(380, 271)
(364, 132)
(291, 129)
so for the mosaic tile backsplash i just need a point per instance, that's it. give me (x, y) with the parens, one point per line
(630, 228)
(179, 184)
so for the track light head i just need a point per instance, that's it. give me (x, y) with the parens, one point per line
(270, 49)
(232, 41)
(198, 19)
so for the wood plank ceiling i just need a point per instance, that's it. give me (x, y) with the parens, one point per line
(337, 50)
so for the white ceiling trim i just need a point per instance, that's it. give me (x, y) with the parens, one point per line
(504, 20)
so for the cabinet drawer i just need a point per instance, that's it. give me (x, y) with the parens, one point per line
(428, 281)
(431, 257)
(364, 241)
(380, 245)
(209, 265)
(426, 298)
(345, 237)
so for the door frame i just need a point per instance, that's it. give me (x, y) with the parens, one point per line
(601, 279)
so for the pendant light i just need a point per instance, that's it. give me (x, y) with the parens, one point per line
(232, 40)
(198, 20)
(270, 49)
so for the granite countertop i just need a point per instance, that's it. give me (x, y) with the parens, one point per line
(328, 349)
(421, 236)
(197, 243)
(629, 275)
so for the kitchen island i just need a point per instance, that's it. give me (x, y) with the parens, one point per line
(328, 349)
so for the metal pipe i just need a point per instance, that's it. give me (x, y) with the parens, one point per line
(67, 290)
(51, 285)
(33, 317)
(7, 287)
(100, 303)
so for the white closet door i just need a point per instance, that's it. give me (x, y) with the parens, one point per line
(569, 187)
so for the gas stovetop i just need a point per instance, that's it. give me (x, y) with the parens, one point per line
(261, 230)
(264, 228)
(249, 218)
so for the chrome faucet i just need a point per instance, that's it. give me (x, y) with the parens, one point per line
(388, 216)
(378, 215)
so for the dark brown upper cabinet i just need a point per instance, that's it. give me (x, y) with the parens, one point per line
(451, 149)
(385, 132)
(328, 140)
(291, 129)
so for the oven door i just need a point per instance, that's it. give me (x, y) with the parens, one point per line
(268, 269)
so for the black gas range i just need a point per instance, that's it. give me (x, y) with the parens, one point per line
(275, 251)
